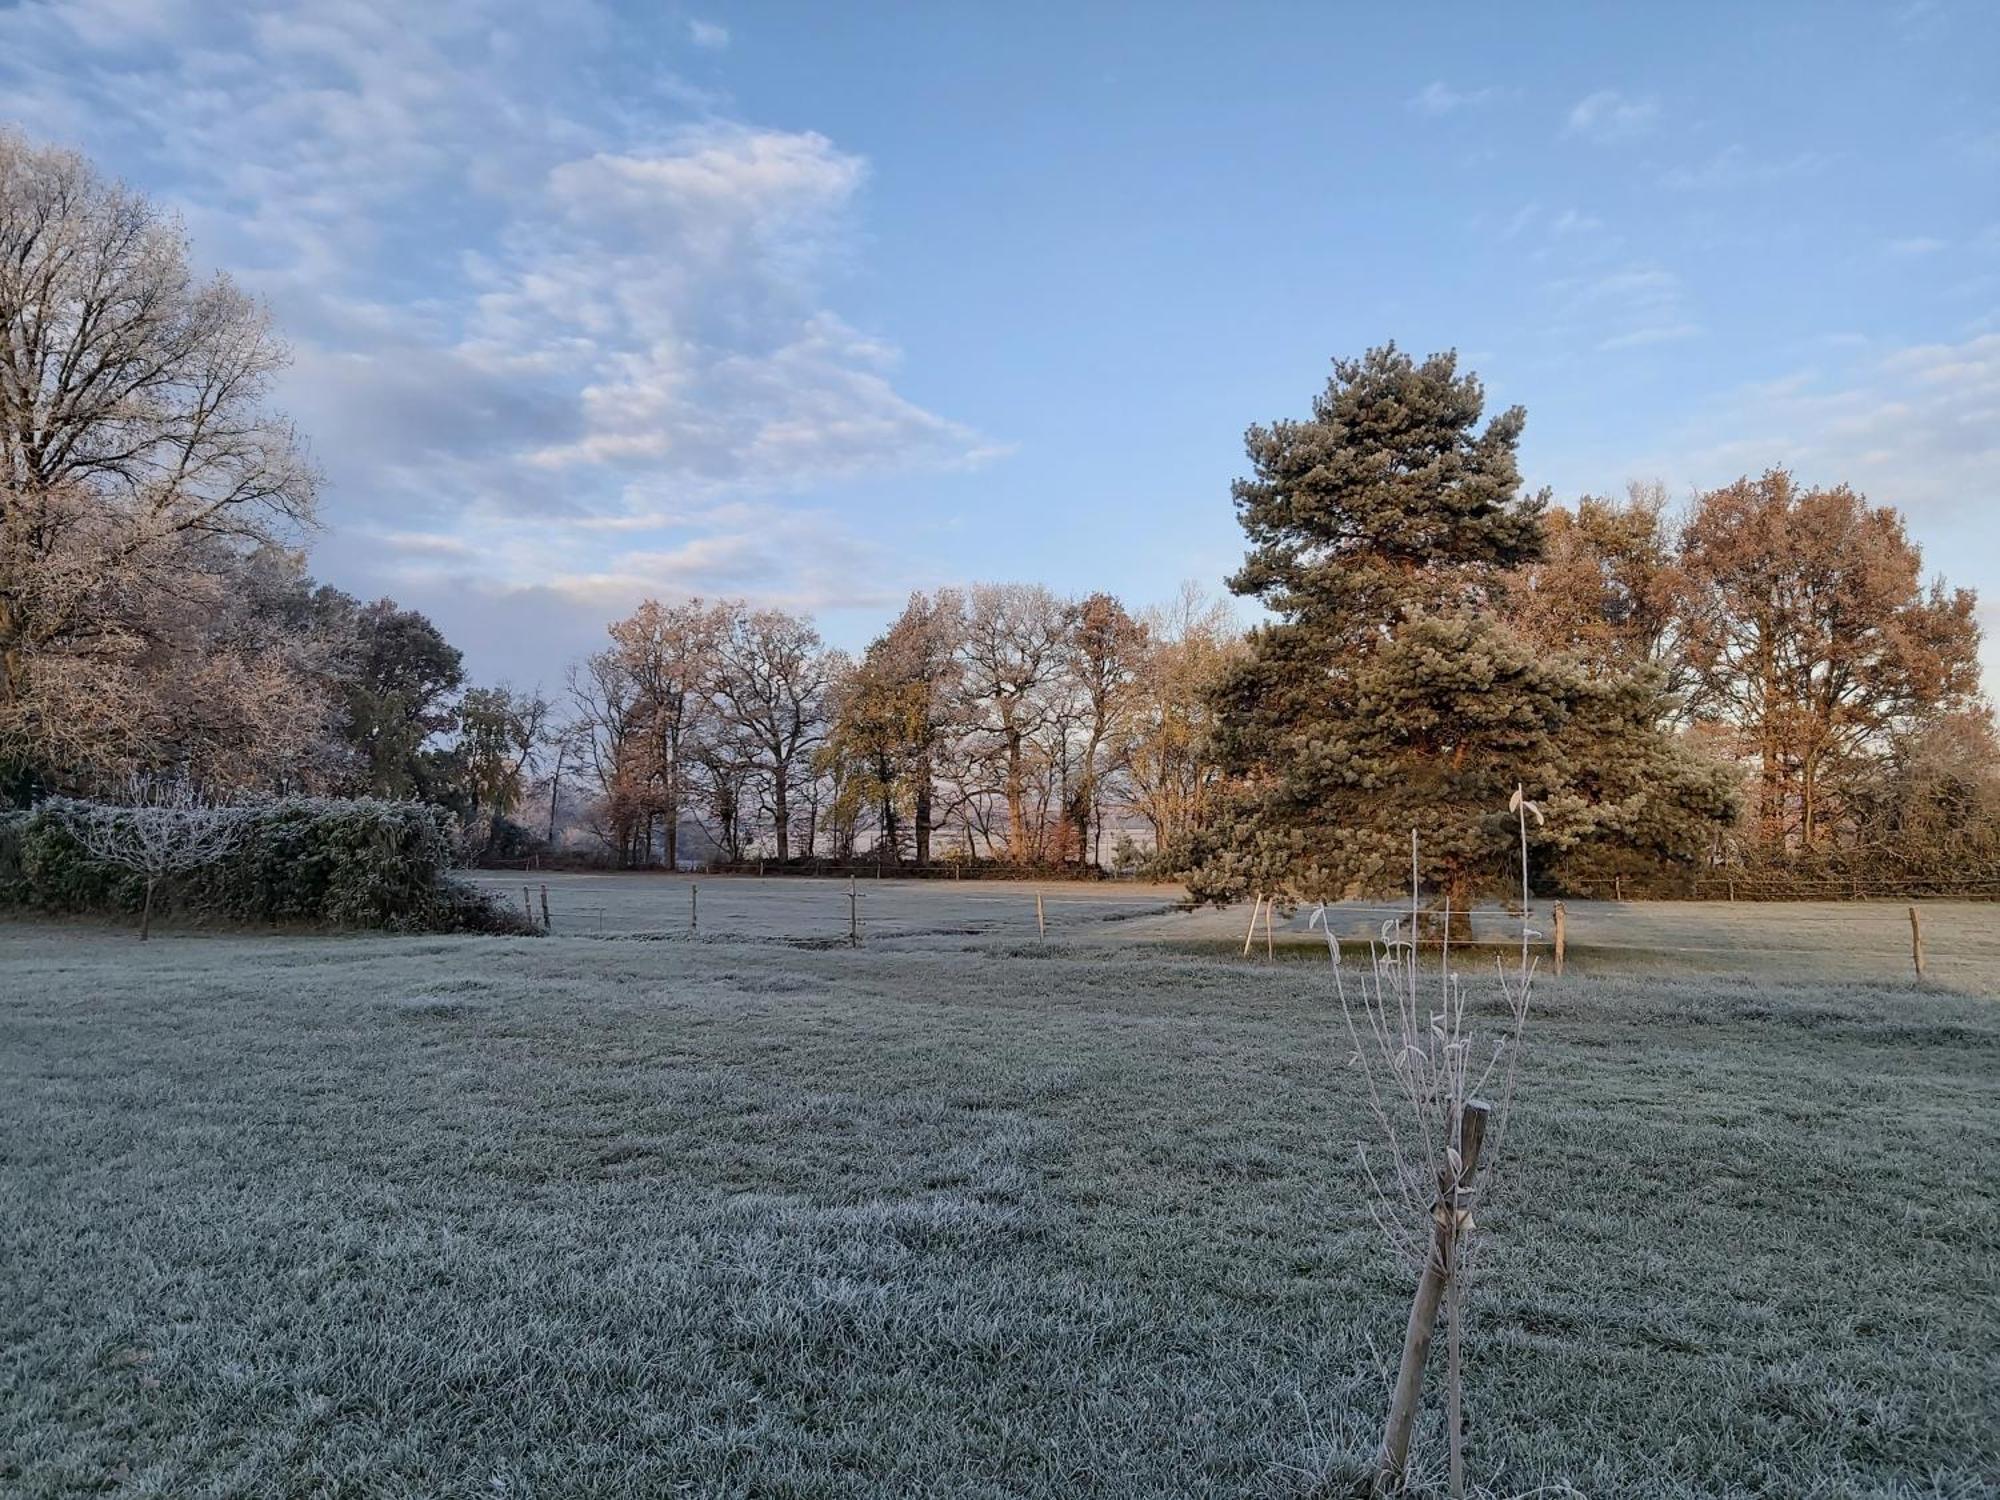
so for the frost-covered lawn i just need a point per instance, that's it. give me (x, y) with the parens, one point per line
(579, 1217)
(1842, 940)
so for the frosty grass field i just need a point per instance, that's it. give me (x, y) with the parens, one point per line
(624, 1213)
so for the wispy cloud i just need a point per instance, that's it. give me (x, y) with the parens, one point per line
(1735, 167)
(1608, 116)
(708, 35)
(1921, 244)
(1628, 307)
(1917, 427)
(1658, 333)
(1440, 98)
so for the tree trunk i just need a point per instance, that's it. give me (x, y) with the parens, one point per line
(1017, 799)
(923, 816)
(1809, 800)
(1458, 891)
(555, 791)
(1438, 1271)
(673, 829)
(888, 834)
(781, 812)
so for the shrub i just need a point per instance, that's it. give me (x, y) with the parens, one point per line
(311, 861)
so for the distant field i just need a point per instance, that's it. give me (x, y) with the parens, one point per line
(1838, 940)
(799, 909)
(952, 1215)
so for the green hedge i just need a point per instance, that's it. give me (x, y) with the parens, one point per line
(308, 861)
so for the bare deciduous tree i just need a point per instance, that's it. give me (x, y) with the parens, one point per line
(1170, 770)
(770, 683)
(668, 654)
(167, 829)
(1014, 638)
(133, 427)
(1106, 649)
(1810, 629)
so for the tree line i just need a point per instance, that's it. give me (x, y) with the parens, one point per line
(1767, 679)
(1002, 720)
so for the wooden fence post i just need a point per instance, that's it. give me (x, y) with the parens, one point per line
(546, 925)
(1561, 912)
(1453, 1206)
(1041, 919)
(1618, 886)
(694, 909)
(1917, 941)
(1256, 905)
(1269, 956)
(853, 915)
(528, 905)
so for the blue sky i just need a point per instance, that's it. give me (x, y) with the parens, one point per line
(818, 304)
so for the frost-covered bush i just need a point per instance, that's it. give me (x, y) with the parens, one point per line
(302, 860)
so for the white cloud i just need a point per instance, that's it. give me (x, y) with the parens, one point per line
(1608, 116)
(1657, 333)
(1628, 307)
(1734, 167)
(1917, 245)
(1522, 218)
(1916, 427)
(514, 307)
(708, 35)
(1440, 98)
(711, 188)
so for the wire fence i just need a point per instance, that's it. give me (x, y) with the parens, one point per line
(1719, 884)
(857, 912)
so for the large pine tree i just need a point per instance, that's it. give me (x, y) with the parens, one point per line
(1388, 694)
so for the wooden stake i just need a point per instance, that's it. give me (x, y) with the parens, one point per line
(528, 905)
(1618, 886)
(1256, 906)
(1561, 912)
(694, 909)
(853, 915)
(1454, 1198)
(1917, 941)
(1041, 919)
(546, 927)
(1268, 955)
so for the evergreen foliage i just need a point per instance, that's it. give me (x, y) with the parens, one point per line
(1391, 695)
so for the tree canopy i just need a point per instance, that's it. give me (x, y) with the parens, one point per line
(1390, 693)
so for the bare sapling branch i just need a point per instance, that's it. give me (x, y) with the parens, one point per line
(165, 828)
(1438, 1141)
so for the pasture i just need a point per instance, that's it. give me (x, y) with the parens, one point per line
(1818, 939)
(961, 1212)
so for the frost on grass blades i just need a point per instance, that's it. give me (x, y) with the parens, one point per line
(1439, 1141)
